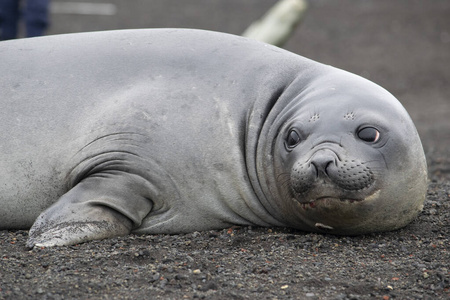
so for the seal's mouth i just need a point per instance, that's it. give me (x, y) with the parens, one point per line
(334, 201)
(325, 201)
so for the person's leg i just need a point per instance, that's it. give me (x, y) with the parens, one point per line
(9, 17)
(36, 17)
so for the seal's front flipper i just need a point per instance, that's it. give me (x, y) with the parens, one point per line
(101, 206)
(71, 232)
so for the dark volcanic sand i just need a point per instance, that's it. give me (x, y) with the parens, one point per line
(402, 45)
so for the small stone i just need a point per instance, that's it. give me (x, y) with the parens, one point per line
(209, 286)
(284, 287)
(196, 271)
(156, 277)
(181, 277)
(163, 283)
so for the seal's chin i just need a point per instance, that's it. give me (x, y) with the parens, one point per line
(336, 213)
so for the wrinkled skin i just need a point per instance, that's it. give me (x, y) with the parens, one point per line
(170, 131)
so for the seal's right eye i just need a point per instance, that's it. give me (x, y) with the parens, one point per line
(292, 139)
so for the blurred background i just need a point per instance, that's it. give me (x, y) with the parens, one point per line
(403, 45)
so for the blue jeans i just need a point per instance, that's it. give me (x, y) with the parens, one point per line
(34, 13)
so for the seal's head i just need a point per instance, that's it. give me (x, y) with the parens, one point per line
(347, 159)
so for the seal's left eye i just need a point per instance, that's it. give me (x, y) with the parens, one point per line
(369, 134)
(292, 139)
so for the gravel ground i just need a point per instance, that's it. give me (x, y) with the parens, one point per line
(403, 45)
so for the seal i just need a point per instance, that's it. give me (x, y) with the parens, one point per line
(172, 131)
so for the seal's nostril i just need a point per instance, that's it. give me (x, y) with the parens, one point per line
(321, 163)
(326, 167)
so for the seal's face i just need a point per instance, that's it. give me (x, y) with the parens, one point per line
(348, 166)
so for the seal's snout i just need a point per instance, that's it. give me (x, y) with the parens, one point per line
(326, 169)
(321, 162)
(306, 174)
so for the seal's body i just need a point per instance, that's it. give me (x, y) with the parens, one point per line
(168, 131)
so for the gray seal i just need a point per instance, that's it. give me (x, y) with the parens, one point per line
(172, 131)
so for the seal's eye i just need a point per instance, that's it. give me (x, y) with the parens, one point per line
(369, 134)
(292, 139)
